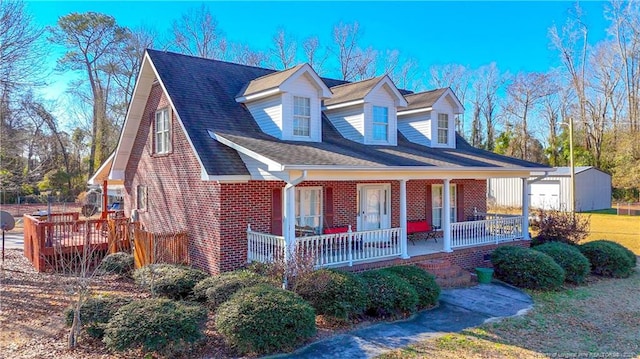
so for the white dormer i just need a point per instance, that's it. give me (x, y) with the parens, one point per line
(365, 111)
(429, 118)
(286, 104)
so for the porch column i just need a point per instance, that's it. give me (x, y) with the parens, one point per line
(446, 215)
(289, 225)
(403, 219)
(525, 208)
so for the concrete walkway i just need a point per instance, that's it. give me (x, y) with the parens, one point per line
(459, 309)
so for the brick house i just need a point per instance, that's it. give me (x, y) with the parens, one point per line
(253, 162)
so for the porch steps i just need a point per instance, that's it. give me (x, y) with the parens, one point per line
(447, 275)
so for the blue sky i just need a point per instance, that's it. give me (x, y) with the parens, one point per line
(513, 34)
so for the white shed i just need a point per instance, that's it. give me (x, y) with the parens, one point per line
(593, 190)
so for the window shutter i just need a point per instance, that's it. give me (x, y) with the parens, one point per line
(428, 208)
(276, 211)
(460, 202)
(328, 207)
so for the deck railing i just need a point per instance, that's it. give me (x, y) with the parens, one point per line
(44, 240)
(328, 249)
(473, 233)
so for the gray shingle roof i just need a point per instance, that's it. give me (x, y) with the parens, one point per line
(423, 99)
(352, 91)
(203, 92)
(269, 81)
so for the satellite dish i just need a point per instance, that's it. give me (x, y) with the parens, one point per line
(6, 221)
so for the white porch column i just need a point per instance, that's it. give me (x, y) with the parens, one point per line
(289, 225)
(446, 215)
(403, 219)
(525, 208)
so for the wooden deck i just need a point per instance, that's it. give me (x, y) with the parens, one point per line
(46, 237)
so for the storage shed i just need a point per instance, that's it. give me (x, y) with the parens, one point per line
(593, 190)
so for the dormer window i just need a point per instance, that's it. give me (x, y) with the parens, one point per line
(443, 128)
(380, 123)
(301, 116)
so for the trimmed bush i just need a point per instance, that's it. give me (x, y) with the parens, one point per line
(422, 281)
(632, 256)
(95, 312)
(608, 259)
(335, 293)
(219, 289)
(168, 280)
(527, 268)
(156, 325)
(389, 294)
(264, 319)
(576, 266)
(116, 263)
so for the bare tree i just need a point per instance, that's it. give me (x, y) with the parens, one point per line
(243, 54)
(345, 47)
(455, 76)
(523, 95)
(196, 33)
(365, 66)
(492, 80)
(311, 48)
(283, 52)
(406, 75)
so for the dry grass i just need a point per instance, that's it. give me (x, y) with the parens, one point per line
(600, 319)
(622, 229)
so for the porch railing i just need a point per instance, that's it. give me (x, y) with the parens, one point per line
(328, 249)
(473, 233)
(264, 247)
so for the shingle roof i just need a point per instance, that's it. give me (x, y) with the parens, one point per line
(269, 81)
(352, 91)
(203, 92)
(423, 99)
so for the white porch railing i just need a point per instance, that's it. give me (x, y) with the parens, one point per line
(328, 249)
(473, 233)
(263, 247)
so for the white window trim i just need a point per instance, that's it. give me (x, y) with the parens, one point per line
(165, 132)
(388, 207)
(299, 198)
(454, 209)
(142, 197)
(374, 124)
(307, 117)
(446, 129)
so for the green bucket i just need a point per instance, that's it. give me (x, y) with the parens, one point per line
(484, 275)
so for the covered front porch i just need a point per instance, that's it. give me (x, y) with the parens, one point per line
(354, 247)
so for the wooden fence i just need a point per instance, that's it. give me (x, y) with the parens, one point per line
(152, 248)
(61, 234)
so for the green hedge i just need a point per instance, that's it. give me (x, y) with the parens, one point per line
(331, 292)
(574, 263)
(169, 280)
(116, 263)
(422, 281)
(220, 288)
(527, 268)
(95, 312)
(156, 325)
(608, 259)
(264, 319)
(389, 294)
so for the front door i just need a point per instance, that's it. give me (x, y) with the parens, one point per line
(374, 207)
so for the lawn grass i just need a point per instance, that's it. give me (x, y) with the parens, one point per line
(599, 319)
(621, 229)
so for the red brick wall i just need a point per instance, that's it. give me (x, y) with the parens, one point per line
(178, 200)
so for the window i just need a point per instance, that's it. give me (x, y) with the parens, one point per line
(380, 123)
(437, 204)
(301, 116)
(443, 128)
(163, 132)
(309, 208)
(141, 198)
